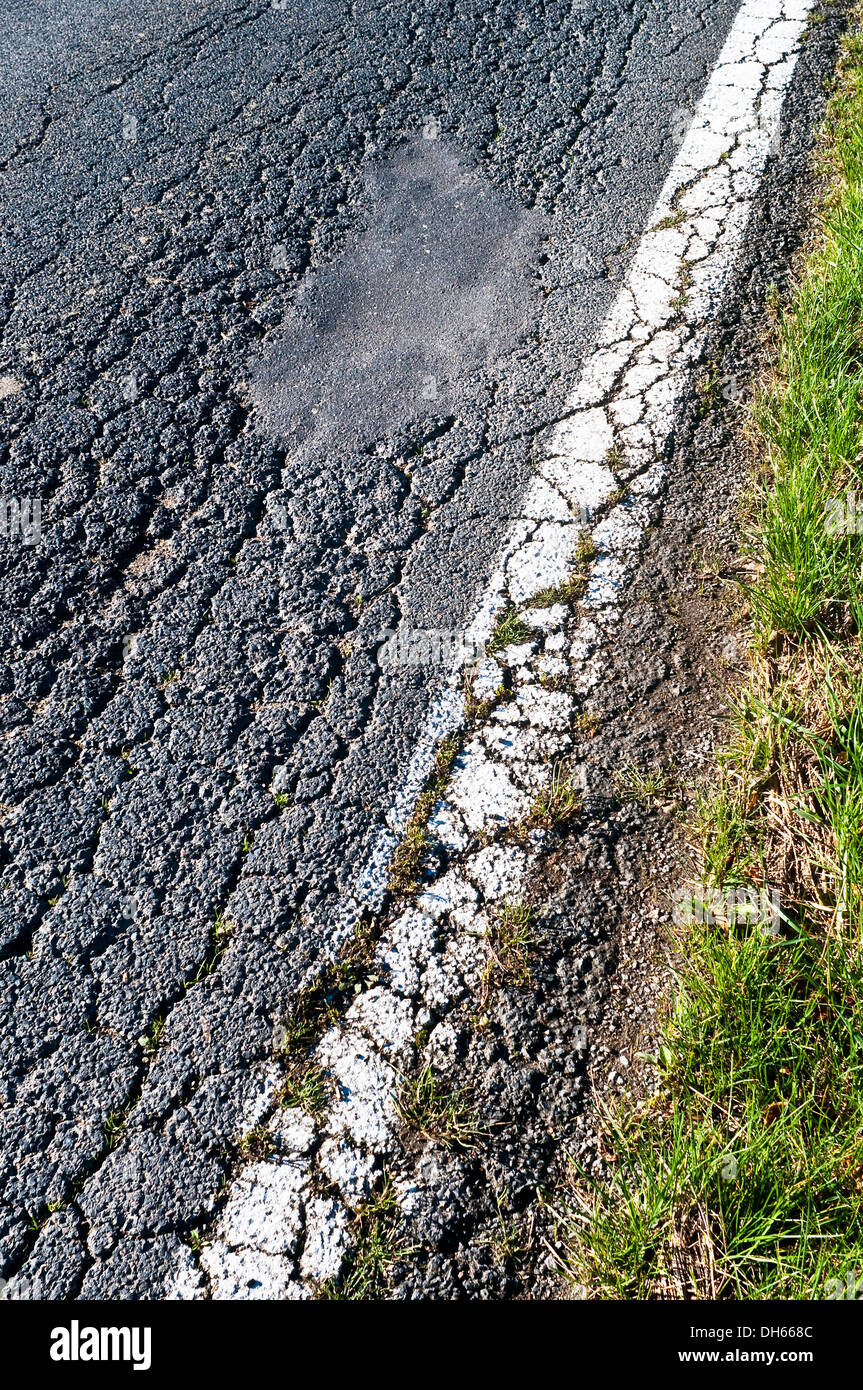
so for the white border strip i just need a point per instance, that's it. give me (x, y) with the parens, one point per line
(623, 406)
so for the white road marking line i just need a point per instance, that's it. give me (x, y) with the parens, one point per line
(274, 1236)
(629, 387)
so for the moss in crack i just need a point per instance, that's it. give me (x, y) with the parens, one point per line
(320, 1005)
(407, 861)
(587, 725)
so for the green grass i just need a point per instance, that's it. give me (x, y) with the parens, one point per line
(510, 629)
(306, 1088)
(742, 1175)
(115, 1126)
(632, 784)
(810, 420)
(507, 1238)
(744, 1178)
(511, 942)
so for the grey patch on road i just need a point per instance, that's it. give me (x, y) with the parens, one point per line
(438, 287)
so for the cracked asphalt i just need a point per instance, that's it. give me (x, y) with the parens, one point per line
(200, 743)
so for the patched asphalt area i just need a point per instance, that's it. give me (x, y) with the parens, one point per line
(197, 729)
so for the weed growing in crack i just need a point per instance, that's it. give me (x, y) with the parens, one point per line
(306, 1088)
(304, 1024)
(587, 725)
(572, 588)
(223, 929)
(150, 1040)
(585, 553)
(257, 1145)
(631, 784)
(477, 711)
(557, 803)
(406, 865)
(407, 861)
(37, 1223)
(510, 629)
(708, 390)
(557, 593)
(319, 1005)
(446, 1116)
(510, 942)
(507, 1246)
(378, 1248)
(673, 219)
(115, 1125)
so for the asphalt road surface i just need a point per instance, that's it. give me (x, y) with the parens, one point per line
(288, 292)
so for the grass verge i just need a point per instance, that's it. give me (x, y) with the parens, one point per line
(742, 1176)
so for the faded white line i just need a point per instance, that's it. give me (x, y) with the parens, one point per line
(275, 1237)
(630, 386)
